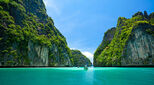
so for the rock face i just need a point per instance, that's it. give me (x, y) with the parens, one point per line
(60, 57)
(28, 36)
(132, 44)
(79, 59)
(108, 36)
(37, 54)
(139, 48)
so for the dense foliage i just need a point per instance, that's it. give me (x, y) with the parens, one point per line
(112, 52)
(79, 59)
(22, 21)
(108, 35)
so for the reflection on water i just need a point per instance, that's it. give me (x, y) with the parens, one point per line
(89, 77)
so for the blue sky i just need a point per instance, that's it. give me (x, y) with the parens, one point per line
(83, 22)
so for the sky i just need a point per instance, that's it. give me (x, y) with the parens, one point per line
(84, 22)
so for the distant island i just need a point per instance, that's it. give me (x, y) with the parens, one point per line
(131, 43)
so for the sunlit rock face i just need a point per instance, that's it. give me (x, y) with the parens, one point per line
(132, 44)
(108, 36)
(140, 47)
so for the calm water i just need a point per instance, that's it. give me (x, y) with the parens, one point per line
(77, 76)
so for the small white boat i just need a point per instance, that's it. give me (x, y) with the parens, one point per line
(85, 67)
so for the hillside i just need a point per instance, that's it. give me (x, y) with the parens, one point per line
(130, 44)
(28, 36)
(79, 59)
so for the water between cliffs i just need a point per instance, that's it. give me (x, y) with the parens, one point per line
(77, 76)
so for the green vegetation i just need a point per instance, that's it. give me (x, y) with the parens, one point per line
(79, 59)
(22, 21)
(112, 52)
(108, 35)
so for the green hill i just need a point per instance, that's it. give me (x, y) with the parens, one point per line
(28, 36)
(131, 43)
(79, 59)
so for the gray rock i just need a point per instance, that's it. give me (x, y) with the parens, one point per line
(139, 48)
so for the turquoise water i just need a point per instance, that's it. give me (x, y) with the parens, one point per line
(77, 76)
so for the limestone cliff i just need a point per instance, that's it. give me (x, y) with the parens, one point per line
(28, 36)
(132, 44)
(79, 59)
(140, 47)
(108, 36)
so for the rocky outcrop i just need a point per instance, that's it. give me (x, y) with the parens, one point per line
(28, 36)
(108, 36)
(140, 47)
(132, 44)
(79, 59)
(59, 57)
(37, 54)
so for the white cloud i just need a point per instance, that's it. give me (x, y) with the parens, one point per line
(51, 4)
(88, 55)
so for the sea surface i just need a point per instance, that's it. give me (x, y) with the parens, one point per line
(77, 76)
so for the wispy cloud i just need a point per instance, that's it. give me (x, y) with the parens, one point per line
(51, 4)
(88, 55)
